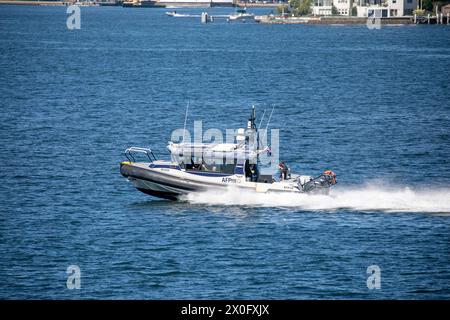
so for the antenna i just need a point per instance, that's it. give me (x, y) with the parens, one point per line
(268, 121)
(259, 127)
(185, 119)
(251, 121)
(260, 122)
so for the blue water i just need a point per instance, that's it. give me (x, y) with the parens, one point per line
(373, 105)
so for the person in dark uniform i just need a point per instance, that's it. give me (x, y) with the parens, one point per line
(253, 173)
(283, 170)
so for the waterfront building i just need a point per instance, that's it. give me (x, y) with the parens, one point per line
(323, 7)
(197, 3)
(400, 8)
(376, 11)
(343, 7)
(445, 9)
(385, 8)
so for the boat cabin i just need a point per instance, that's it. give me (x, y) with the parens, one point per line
(218, 160)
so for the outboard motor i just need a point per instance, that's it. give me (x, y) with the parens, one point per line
(321, 183)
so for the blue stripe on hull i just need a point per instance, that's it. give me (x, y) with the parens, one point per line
(209, 174)
(199, 173)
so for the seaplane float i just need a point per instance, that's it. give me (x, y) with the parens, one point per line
(200, 167)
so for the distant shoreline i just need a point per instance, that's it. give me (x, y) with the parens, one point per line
(34, 3)
(267, 19)
(182, 5)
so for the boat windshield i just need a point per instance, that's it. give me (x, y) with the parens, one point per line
(208, 166)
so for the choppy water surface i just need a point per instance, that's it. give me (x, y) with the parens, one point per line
(373, 105)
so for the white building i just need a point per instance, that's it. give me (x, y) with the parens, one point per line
(385, 8)
(375, 11)
(323, 7)
(365, 8)
(399, 8)
(344, 7)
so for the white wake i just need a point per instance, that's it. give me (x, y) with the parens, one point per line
(364, 198)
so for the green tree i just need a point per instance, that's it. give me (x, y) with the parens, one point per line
(301, 7)
(427, 5)
(283, 9)
(334, 10)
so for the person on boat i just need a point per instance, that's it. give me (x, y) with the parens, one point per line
(253, 173)
(286, 171)
(283, 171)
(279, 173)
(194, 165)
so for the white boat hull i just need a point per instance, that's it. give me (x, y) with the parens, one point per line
(170, 183)
(199, 167)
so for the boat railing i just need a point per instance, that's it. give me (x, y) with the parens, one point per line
(148, 152)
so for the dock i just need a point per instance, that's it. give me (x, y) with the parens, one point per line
(440, 18)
